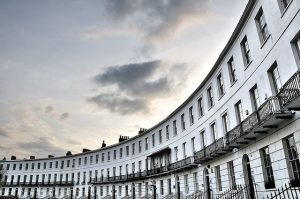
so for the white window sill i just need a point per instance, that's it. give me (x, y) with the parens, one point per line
(284, 11)
(265, 41)
(248, 65)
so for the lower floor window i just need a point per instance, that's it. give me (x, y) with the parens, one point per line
(186, 183)
(161, 187)
(267, 168)
(218, 178)
(293, 160)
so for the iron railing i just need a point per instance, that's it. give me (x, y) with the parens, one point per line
(268, 108)
(120, 178)
(237, 192)
(199, 155)
(28, 184)
(209, 151)
(290, 90)
(286, 191)
(197, 195)
(189, 161)
(157, 170)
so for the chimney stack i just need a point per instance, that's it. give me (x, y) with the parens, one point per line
(32, 157)
(123, 138)
(85, 150)
(103, 144)
(68, 153)
(13, 157)
(142, 130)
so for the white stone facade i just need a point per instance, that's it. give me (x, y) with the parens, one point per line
(170, 157)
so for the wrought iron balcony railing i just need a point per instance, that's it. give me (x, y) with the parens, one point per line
(209, 152)
(186, 162)
(120, 178)
(158, 170)
(34, 184)
(290, 90)
(265, 111)
(245, 131)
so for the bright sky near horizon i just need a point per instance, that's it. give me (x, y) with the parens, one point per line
(74, 73)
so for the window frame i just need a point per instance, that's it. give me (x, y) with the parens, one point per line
(292, 161)
(167, 133)
(220, 84)
(203, 139)
(267, 168)
(295, 43)
(184, 150)
(146, 143)
(231, 172)
(262, 27)
(193, 145)
(160, 138)
(182, 122)
(275, 82)
(176, 153)
(140, 146)
(238, 106)
(255, 99)
(232, 70)
(210, 97)
(174, 128)
(153, 139)
(200, 104)
(213, 130)
(225, 122)
(283, 7)
(218, 178)
(246, 51)
(191, 115)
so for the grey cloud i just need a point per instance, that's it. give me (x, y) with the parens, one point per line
(3, 133)
(138, 84)
(73, 142)
(122, 105)
(64, 116)
(49, 109)
(160, 20)
(135, 78)
(128, 74)
(2, 147)
(42, 144)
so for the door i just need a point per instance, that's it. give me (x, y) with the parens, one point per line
(248, 177)
(206, 184)
(177, 187)
(133, 191)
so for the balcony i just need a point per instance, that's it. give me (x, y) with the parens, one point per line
(158, 171)
(212, 151)
(121, 178)
(182, 164)
(261, 122)
(35, 184)
(289, 94)
(177, 166)
(140, 175)
(10, 184)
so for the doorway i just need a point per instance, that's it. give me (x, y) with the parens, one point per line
(206, 184)
(248, 177)
(177, 182)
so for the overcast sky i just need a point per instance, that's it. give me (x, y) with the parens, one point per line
(74, 73)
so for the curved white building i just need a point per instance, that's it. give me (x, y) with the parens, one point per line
(239, 130)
